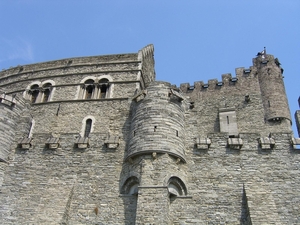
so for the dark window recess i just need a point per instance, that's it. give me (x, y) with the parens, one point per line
(103, 91)
(34, 93)
(89, 88)
(227, 120)
(46, 95)
(176, 133)
(269, 104)
(103, 87)
(89, 92)
(47, 92)
(155, 127)
(34, 96)
(88, 127)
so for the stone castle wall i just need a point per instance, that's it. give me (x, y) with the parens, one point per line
(154, 153)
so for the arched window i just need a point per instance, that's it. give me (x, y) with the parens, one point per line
(176, 187)
(88, 127)
(46, 92)
(89, 89)
(34, 92)
(95, 87)
(130, 187)
(103, 86)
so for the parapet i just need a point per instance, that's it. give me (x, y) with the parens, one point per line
(215, 84)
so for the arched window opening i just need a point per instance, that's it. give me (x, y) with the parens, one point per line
(88, 127)
(130, 187)
(34, 91)
(47, 92)
(176, 187)
(103, 87)
(89, 92)
(89, 89)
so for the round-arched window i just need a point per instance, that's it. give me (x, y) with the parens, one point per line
(176, 187)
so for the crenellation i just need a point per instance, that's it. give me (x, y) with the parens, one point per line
(98, 140)
(212, 84)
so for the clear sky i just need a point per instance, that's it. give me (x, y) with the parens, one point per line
(194, 40)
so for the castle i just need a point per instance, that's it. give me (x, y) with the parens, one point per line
(97, 140)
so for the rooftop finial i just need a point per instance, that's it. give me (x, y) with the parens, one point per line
(262, 53)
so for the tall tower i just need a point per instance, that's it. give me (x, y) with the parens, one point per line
(272, 88)
(157, 143)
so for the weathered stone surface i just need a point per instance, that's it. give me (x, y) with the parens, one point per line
(141, 151)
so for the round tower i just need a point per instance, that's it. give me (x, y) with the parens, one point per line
(158, 123)
(272, 88)
(11, 109)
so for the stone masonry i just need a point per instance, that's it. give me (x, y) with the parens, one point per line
(97, 140)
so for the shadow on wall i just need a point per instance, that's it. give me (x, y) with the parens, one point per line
(245, 213)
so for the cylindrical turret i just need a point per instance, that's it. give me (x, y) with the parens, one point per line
(10, 111)
(272, 88)
(158, 123)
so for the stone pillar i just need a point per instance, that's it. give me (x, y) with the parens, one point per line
(153, 205)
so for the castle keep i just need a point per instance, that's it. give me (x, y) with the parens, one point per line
(97, 140)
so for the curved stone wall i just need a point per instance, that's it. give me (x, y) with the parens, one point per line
(272, 88)
(10, 111)
(9, 115)
(158, 123)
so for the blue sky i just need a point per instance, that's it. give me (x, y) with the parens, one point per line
(194, 40)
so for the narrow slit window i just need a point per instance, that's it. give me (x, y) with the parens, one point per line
(88, 127)
(176, 133)
(155, 127)
(227, 119)
(269, 104)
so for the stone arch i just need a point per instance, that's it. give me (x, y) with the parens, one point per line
(94, 88)
(89, 89)
(85, 123)
(105, 82)
(32, 92)
(84, 84)
(130, 186)
(47, 90)
(176, 187)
